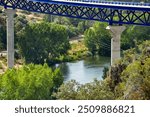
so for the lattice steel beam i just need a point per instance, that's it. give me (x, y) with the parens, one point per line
(110, 15)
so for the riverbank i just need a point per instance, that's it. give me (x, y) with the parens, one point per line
(77, 51)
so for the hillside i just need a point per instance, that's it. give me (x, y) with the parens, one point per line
(30, 16)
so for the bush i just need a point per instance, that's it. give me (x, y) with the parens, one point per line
(30, 82)
(133, 36)
(105, 72)
(136, 78)
(130, 77)
(97, 90)
(72, 31)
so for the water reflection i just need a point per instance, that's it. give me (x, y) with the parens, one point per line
(86, 70)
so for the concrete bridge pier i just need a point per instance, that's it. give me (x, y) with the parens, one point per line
(10, 36)
(116, 32)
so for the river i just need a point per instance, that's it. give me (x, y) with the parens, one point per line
(84, 71)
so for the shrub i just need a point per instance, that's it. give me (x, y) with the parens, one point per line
(97, 90)
(130, 77)
(30, 82)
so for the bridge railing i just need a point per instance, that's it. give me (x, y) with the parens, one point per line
(98, 1)
(110, 2)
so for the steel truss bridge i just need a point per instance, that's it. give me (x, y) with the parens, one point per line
(112, 12)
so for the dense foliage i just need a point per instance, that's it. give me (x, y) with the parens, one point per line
(96, 90)
(2, 38)
(98, 39)
(130, 78)
(134, 35)
(43, 42)
(74, 26)
(20, 23)
(2, 34)
(29, 82)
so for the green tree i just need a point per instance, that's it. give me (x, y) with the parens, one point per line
(20, 22)
(72, 31)
(96, 90)
(2, 37)
(2, 33)
(83, 25)
(98, 39)
(134, 35)
(136, 78)
(42, 42)
(30, 82)
(129, 78)
(89, 39)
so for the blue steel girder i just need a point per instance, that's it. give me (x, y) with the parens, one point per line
(112, 15)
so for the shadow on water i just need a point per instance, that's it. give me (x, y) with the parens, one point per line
(84, 71)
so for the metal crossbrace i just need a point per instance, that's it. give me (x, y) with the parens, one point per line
(110, 15)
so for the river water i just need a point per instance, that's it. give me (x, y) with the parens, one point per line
(84, 71)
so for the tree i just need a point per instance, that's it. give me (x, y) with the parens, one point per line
(134, 35)
(43, 42)
(98, 39)
(83, 25)
(20, 22)
(30, 82)
(90, 40)
(96, 90)
(129, 78)
(72, 31)
(2, 33)
(2, 37)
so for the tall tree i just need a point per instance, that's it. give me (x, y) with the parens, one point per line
(134, 35)
(97, 38)
(2, 33)
(43, 42)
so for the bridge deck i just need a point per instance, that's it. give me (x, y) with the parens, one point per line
(101, 4)
(111, 12)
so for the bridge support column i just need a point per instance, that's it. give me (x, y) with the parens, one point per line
(116, 32)
(10, 36)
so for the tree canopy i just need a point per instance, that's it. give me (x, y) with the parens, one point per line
(134, 35)
(42, 42)
(98, 39)
(30, 82)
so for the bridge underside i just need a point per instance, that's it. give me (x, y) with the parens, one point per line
(112, 15)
